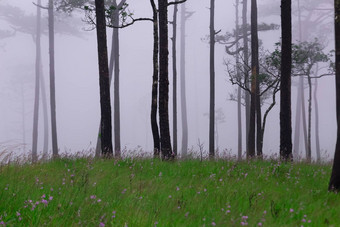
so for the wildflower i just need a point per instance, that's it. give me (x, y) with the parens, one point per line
(186, 214)
(18, 214)
(2, 223)
(51, 189)
(43, 196)
(50, 198)
(291, 210)
(170, 196)
(205, 190)
(245, 217)
(99, 200)
(123, 192)
(177, 188)
(20, 218)
(309, 221)
(228, 211)
(259, 224)
(44, 201)
(303, 220)
(213, 223)
(92, 197)
(102, 224)
(265, 212)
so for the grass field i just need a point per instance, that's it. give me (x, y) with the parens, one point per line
(88, 192)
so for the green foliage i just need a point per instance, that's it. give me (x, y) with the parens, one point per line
(86, 192)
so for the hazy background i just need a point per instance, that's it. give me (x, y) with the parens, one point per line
(77, 83)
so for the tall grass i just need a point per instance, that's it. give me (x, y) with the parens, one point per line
(148, 192)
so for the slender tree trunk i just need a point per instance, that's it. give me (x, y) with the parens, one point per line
(297, 123)
(37, 87)
(239, 112)
(116, 101)
(309, 143)
(317, 139)
(259, 139)
(174, 70)
(334, 183)
(164, 80)
(183, 83)
(52, 80)
(212, 81)
(45, 112)
(154, 124)
(255, 72)
(104, 80)
(246, 61)
(304, 120)
(286, 68)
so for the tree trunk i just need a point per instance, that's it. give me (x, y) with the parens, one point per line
(23, 108)
(116, 100)
(317, 139)
(52, 80)
(255, 72)
(309, 143)
(334, 183)
(154, 124)
(246, 61)
(104, 80)
(286, 68)
(45, 112)
(239, 112)
(37, 87)
(212, 81)
(183, 83)
(164, 80)
(259, 139)
(303, 107)
(174, 70)
(297, 123)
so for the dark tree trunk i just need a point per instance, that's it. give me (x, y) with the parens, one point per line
(154, 124)
(37, 87)
(317, 138)
(254, 72)
(286, 68)
(104, 80)
(52, 80)
(212, 81)
(183, 83)
(174, 70)
(164, 80)
(246, 60)
(334, 184)
(239, 112)
(309, 143)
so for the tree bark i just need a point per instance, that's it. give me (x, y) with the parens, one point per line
(45, 112)
(37, 87)
(317, 138)
(52, 80)
(255, 72)
(286, 68)
(183, 84)
(334, 183)
(104, 80)
(239, 112)
(174, 70)
(246, 60)
(309, 143)
(164, 80)
(154, 124)
(212, 81)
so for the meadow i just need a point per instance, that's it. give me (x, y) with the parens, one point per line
(149, 192)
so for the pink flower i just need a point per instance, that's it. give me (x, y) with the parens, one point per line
(50, 198)
(213, 223)
(102, 224)
(259, 224)
(44, 201)
(92, 197)
(291, 210)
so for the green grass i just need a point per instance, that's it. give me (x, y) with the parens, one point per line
(181, 193)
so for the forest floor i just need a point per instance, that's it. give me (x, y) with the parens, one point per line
(149, 192)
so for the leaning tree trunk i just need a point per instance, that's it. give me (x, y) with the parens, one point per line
(164, 80)
(239, 112)
(154, 124)
(52, 80)
(254, 72)
(286, 68)
(183, 83)
(212, 81)
(246, 62)
(174, 70)
(334, 183)
(37, 88)
(317, 138)
(104, 80)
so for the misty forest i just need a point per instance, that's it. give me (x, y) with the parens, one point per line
(207, 113)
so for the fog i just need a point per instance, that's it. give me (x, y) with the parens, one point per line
(77, 81)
